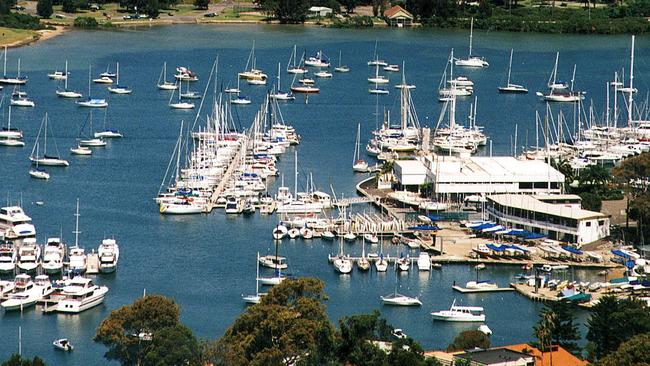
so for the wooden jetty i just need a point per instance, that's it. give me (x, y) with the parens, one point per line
(235, 163)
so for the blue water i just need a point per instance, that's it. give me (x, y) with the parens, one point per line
(207, 262)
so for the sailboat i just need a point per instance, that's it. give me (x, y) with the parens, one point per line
(91, 102)
(50, 160)
(180, 104)
(108, 72)
(305, 88)
(278, 93)
(119, 89)
(403, 84)
(20, 99)
(240, 99)
(107, 132)
(255, 299)
(381, 264)
(275, 280)
(318, 60)
(37, 173)
(77, 257)
(13, 80)
(563, 95)
(253, 73)
(358, 164)
(11, 136)
(65, 93)
(292, 68)
(471, 60)
(163, 84)
(92, 141)
(341, 68)
(378, 79)
(323, 74)
(363, 263)
(342, 264)
(376, 61)
(189, 94)
(398, 299)
(510, 87)
(552, 79)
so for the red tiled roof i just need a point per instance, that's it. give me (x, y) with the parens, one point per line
(389, 13)
(560, 355)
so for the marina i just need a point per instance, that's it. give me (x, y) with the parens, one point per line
(233, 175)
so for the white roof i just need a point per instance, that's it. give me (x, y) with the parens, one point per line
(499, 169)
(529, 203)
(410, 172)
(319, 8)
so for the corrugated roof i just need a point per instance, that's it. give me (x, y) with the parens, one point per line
(526, 202)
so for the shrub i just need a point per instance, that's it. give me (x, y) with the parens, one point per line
(86, 22)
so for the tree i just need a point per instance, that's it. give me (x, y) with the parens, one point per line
(469, 339)
(286, 11)
(145, 332)
(613, 322)
(69, 6)
(631, 353)
(202, 4)
(349, 5)
(153, 8)
(289, 324)
(556, 326)
(44, 8)
(593, 178)
(17, 360)
(591, 201)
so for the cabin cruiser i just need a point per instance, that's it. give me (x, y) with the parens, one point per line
(77, 258)
(7, 258)
(460, 314)
(29, 255)
(81, 294)
(109, 254)
(400, 300)
(424, 261)
(481, 285)
(15, 222)
(53, 255)
(319, 60)
(27, 293)
(274, 261)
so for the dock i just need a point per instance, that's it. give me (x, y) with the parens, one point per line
(234, 164)
(464, 290)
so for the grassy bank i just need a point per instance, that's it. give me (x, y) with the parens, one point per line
(13, 37)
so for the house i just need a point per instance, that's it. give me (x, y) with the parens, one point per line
(398, 17)
(560, 355)
(319, 11)
(494, 357)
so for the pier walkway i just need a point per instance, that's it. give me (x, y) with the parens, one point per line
(235, 163)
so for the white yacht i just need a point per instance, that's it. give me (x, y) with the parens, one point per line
(460, 314)
(400, 300)
(81, 294)
(53, 255)
(273, 261)
(318, 60)
(472, 60)
(109, 254)
(15, 223)
(27, 293)
(7, 258)
(77, 258)
(29, 255)
(481, 285)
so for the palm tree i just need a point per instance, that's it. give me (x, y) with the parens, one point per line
(544, 330)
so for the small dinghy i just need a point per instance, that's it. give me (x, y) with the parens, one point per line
(63, 345)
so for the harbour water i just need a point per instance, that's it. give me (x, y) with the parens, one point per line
(207, 262)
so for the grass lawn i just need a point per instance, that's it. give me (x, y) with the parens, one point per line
(9, 35)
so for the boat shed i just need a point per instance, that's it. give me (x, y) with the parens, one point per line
(557, 221)
(398, 17)
(410, 172)
(320, 11)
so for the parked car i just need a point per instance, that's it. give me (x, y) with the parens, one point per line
(210, 15)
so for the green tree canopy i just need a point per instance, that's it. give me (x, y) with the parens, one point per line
(17, 360)
(44, 8)
(143, 333)
(557, 326)
(613, 322)
(202, 4)
(286, 11)
(469, 339)
(634, 352)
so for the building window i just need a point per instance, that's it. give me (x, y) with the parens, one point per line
(601, 222)
(588, 223)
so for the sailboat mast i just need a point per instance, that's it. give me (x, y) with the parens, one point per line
(117, 73)
(76, 228)
(295, 175)
(45, 143)
(65, 84)
(4, 69)
(630, 92)
(509, 67)
(18, 76)
(471, 35)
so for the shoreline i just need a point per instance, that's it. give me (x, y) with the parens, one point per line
(40, 35)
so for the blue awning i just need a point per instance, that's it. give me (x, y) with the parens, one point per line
(424, 227)
(495, 248)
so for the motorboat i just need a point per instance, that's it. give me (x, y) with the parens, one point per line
(103, 80)
(92, 142)
(481, 285)
(185, 74)
(109, 255)
(241, 100)
(323, 74)
(459, 313)
(399, 333)
(180, 207)
(53, 255)
(7, 260)
(234, 206)
(63, 345)
(400, 300)
(77, 258)
(27, 292)
(391, 68)
(182, 105)
(11, 142)
(15, 223)
(29, 255)
(424, 261)
(58, 75)
(371, 238)
(80, 294)
(108, 133)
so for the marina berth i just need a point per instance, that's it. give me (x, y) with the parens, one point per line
(29, 255)
(53, 256)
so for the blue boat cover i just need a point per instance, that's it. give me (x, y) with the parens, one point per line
(572, 250)
(534, 236)
(424, 227)
(621, 254)
(499, 248)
